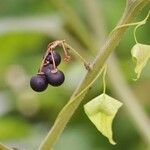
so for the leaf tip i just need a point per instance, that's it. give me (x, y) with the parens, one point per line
(101, 111)
(112, 142)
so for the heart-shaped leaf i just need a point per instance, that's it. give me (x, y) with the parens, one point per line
(101, 111)
(141, 53)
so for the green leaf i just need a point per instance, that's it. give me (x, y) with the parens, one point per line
(101, 111)
(141, 53)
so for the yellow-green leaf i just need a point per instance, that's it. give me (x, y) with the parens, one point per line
(141, 53)
(101, 111)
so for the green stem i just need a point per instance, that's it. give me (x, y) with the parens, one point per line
(64, 114)
(132, 9)
(137, 24)
(104, 79)
(76, 53)
(137, 115)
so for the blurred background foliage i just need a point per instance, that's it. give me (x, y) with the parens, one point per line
(26, 27)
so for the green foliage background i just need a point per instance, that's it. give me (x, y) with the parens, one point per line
(25, 116)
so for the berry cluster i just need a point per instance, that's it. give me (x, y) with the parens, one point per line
(48, 72)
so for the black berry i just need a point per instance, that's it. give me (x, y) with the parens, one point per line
(55, 78)
(38, 83)
(46, 68)
(57, 58)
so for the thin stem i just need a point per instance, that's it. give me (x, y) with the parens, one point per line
(134, 33)
(138, 116)
(67, 57)
(137, 24)
(64, 116)
(147, 16)
(43, 61)
(76, 53)
(52, 56)
(140, 24)
(104, 79)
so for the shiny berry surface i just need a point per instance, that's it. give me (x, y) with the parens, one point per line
(39, 83)
(55, 78)
(57, 58)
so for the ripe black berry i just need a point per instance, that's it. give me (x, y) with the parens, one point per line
(57, 58)
(38, 83)
(46, 68)
(55, 78)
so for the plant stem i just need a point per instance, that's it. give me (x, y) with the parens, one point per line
(76, 53)
(138, 116)
(113, 40)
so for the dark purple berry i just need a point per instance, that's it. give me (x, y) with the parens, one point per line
(47, 67)
(55, 78)
(57, 58)
(39, 83)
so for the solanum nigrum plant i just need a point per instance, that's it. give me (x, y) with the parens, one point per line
(102, 109)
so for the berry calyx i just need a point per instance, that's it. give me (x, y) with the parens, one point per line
(57, 58)
(39, 83)
(55, 78)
